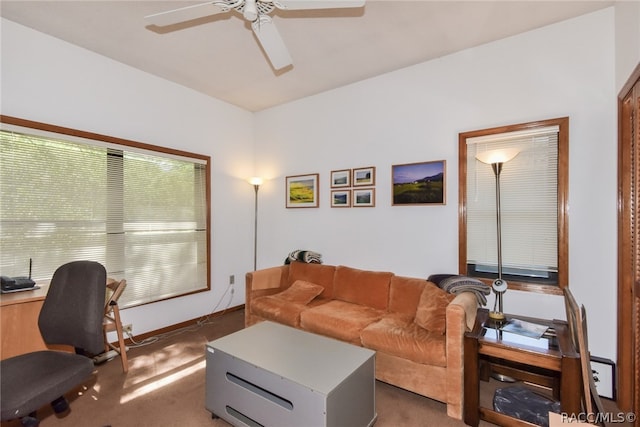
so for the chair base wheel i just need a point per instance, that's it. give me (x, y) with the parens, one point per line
(30, 421)
(60, 405)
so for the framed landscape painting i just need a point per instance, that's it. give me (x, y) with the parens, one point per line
(364, 197)
(419, 183)
(341, 178)
(302, 191)
(340, 198)
(364, 176)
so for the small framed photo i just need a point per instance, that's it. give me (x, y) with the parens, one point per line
(341, 178)
(419, 183)
(302, 191)
(340, 198)
(364, 176)
(364, 197)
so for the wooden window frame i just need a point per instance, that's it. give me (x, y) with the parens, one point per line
(563, 206)
(63, 131)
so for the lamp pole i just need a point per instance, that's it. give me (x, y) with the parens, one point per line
(499, 285)
(255, 181)
(496, 158)
(255, 228)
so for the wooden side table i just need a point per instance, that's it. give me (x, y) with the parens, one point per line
(551, 361)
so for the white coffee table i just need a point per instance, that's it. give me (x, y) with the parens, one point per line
(274, 375)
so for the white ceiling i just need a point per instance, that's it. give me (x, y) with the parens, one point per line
(220, 57)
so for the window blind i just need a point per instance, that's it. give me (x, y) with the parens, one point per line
(529, 205)
(140, 213)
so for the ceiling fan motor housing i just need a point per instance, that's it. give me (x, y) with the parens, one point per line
(251, 9)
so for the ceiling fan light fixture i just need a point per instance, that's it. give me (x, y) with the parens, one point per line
(250, 11)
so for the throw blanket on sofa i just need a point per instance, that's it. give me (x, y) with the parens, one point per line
(455, 284)
(304, 256)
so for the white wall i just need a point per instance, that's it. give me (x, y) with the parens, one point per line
(627, 40)
(415, 115)
(411, 115)
(47, 80)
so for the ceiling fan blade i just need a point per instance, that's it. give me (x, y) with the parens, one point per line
(187, 13)
(316, 4)
(271, 42)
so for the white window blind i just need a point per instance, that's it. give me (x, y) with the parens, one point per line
(529, 205)
(140, 213)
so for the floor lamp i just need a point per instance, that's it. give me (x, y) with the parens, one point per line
(496, 158)
(256, 182)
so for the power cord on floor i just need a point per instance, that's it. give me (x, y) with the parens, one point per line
(204, 320)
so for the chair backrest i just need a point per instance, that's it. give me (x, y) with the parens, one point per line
(115, 288)
(73, 309)
(577, 320)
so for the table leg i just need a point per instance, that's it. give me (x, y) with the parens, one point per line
(570, 385)
(471, 382)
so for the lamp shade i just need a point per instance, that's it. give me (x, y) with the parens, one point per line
(497, 156)
(256, 180)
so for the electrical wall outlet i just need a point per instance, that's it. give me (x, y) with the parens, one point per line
(127, 329)
(232, 279)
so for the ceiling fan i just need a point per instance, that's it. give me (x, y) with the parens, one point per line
(256, 12)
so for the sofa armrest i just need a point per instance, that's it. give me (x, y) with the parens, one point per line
(469, 304)
(268, 281)
(461, 316)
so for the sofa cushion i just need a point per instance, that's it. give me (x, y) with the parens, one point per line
(300, 292)
(368, 288)
(432, 308)
(286, 306)
(315, 273)
(404, 294)
(278, 310)
(399, 336)
(339, 319)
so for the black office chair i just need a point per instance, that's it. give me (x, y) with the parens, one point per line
(71, 315)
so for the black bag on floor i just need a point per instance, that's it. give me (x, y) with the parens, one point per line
(525, 404)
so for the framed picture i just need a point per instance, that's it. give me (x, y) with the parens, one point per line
(302, 191)
(419, 183)
(340, 198)
(341, 178)
(364, 176)
(364, 197)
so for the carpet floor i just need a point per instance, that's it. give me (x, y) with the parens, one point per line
(165, 387)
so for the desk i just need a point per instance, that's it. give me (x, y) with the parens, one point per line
(19, 331)
(551, 361)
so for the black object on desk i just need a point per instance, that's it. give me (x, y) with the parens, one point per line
(16, 284)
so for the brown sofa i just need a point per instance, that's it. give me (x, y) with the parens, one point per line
(415, 328)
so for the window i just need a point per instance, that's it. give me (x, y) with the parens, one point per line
(140, 210)
(533, 198)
